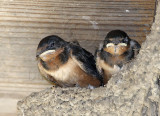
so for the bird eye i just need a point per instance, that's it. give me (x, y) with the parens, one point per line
(125, 40)
(52, 44)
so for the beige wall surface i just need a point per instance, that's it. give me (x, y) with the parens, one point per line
(23, 23)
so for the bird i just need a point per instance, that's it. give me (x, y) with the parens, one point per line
(116, 50)
(67, 64)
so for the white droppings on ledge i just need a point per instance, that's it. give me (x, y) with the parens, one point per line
(94, 23)
(127, 10)
(86, 17)
(90, 87)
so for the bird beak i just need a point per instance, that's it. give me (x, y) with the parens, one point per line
(109, 45)
(122, 44)
(43, 54)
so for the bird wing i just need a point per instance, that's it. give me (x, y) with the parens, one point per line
(135, 46)
(85, 60)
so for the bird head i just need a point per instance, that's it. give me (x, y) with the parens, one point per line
(116, 42)
(50, 46)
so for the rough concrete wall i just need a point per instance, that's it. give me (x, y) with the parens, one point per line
(132, 92)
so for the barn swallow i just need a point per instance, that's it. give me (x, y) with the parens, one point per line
(66, 64)
(116, 50)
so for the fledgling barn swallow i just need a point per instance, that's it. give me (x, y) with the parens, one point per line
(66, 64)
(116, 50)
